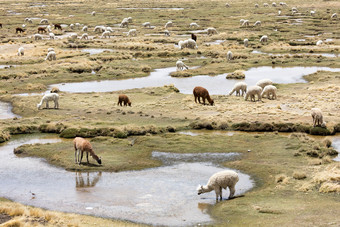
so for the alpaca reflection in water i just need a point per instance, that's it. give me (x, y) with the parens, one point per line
(89, 181)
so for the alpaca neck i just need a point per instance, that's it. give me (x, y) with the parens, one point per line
(94, 156)
(206, 188)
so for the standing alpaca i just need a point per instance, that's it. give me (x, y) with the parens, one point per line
(123, 99)
(318, 118)
(202, 92)
(252, 91)
(222, 179)
(49, 97)
(181, 66)
(239, 87)
(21, 51)
(81, 145)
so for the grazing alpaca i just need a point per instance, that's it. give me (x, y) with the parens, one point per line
(222, 179)
(57, 26)
(123, 99)
(81, 145)
(194, 37)
(49, 97)
(200, 92)
(19, 30)
(42, 30)
(318, 118)
(0, 25)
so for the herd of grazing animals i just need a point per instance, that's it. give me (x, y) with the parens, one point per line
(264, 87)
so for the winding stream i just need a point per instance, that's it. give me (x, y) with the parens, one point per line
(159, 196)
(6, 111)
(216, 85)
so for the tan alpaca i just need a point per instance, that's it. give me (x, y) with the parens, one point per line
(81, 145)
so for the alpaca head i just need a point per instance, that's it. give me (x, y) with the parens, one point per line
(211, 102)
(99, 161)
(199, 189)
(129, 103)
(38, 105)
(323, 125)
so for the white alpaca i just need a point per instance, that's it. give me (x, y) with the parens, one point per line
(269, 91)
(334, 16)
(37, 37)
(189, 43)
(264, 39)
(49, 28)
(93, 13)
(211, 31)
(319, 42)
(241, 21)
(49, 97)
(227, 5)
(106, 34)
(84, 36)
(312, 13)
(265, 5)
(52, 36)
(168, 24)
(245, 23)
(124, 23)
(279, 13)
(73, 36)
(44, 21)
(274, 4)
(28, 20)
(51, 56)
(166, 33)
(239, 87)
(318, 118)
(99, 28)
(219, 180)
(264, 82)
(181, 66)
(50, 49)
(229, 55)
(85, 28)
(132, 32)
(21, 51)
(257, 23)
(71, 26)
(245, 41)
(256, 5)
(77, 25)
(146, 25)
(252, 91)
(193, 24)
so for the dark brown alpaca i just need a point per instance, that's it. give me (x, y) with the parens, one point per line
(193, 36)
(0, 25)
(57, 26)
(200, 92)
(125, 99)
(19, 30)
(41, 30)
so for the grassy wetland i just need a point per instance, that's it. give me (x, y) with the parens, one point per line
(296, 182)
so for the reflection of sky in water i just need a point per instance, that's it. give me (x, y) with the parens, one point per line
(216, 85)
(160, 196)
(336, 145)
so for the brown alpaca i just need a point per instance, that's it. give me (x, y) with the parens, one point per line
(41, 30)
(193, 36)
(55, 90)
(200, 92)
(0, 25)
(125, 99)
(57, 26)
(81, 145)
(19, 30)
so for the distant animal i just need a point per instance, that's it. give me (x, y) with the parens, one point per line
(84, 36)
(334, 16)
(229, 55)
(219, 180)
(245, 41)
(245, 23)
(42, 30)
(269, 91)
(146, 25)
(239, 87)
(264, 39)
(52, 36)
(58, 26)
(257, 23)
(55, 90)
(84, 29)
(21, 51)
(227, 5)
(168, 24)
(132, 32)
(319, 42)
(124, 23)
(19, 30)
(166, 33)
(82, 145)
(0, 25)
(37, 37)
(318, 118)
(93, 13)
(194, 37)
(28, 20)
(181, 66)
(211, 31)
(193, 24)
(200, 92)
(252, 91)
(105, 34)
(49, 97)
(123, 99)
(51, 56)
(44, 21)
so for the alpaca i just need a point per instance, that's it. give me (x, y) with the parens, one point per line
(269, 90)
(57, 26)
(123, 99)
(252, 91)
(81, 145)
(239, 87)
(42, 30)
(318, 118)
(194, 37)
(219, 180)
(19, 30)
(202, 92)
(49, 97)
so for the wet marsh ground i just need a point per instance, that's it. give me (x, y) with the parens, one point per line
(278, 195)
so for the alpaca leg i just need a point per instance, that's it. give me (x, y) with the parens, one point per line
(81, 157)
(87, 157)
(203, 100)
(195, 99)
(258, 97)
(75, 155)
(47, 107)
(314, 121)
(199, 99)
(232, 191)
(220, 193)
